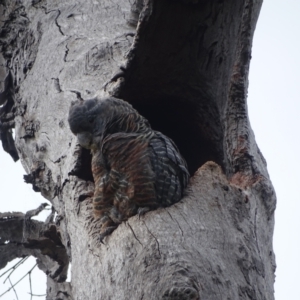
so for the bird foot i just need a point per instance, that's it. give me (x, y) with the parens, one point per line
(105, 232)
(142, 210)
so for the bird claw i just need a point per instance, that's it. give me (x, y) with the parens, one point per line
(142, 210)
(106, 232)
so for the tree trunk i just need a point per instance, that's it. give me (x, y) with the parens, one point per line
(182, 64)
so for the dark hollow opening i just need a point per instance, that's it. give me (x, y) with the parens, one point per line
(171, 79)
(83, 169)
(184, 122)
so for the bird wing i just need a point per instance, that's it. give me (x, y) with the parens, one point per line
(170, 169)
(130, 172)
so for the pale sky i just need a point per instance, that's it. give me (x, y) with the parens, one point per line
(274, 115)
(274, 109)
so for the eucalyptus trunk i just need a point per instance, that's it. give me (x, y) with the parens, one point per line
(184, 65)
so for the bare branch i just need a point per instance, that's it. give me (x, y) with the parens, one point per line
(13, 288)
(30, 226)
(22, 236)
(14, 267)
(35, 212)
(30, 285)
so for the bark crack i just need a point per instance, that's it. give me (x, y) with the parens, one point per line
(59, 159)
(66, 53)
(57, 84)
(174, 221)
(134, 234)
(56, 22)
(185, 219)
(56, 18)
(78, 94)
(158, 249)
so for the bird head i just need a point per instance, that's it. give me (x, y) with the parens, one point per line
(89, 120)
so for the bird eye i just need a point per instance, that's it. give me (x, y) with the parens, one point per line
(90, 119)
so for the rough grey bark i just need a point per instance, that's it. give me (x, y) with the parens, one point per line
(183, 65)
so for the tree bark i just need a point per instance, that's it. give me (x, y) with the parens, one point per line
(183, 65)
